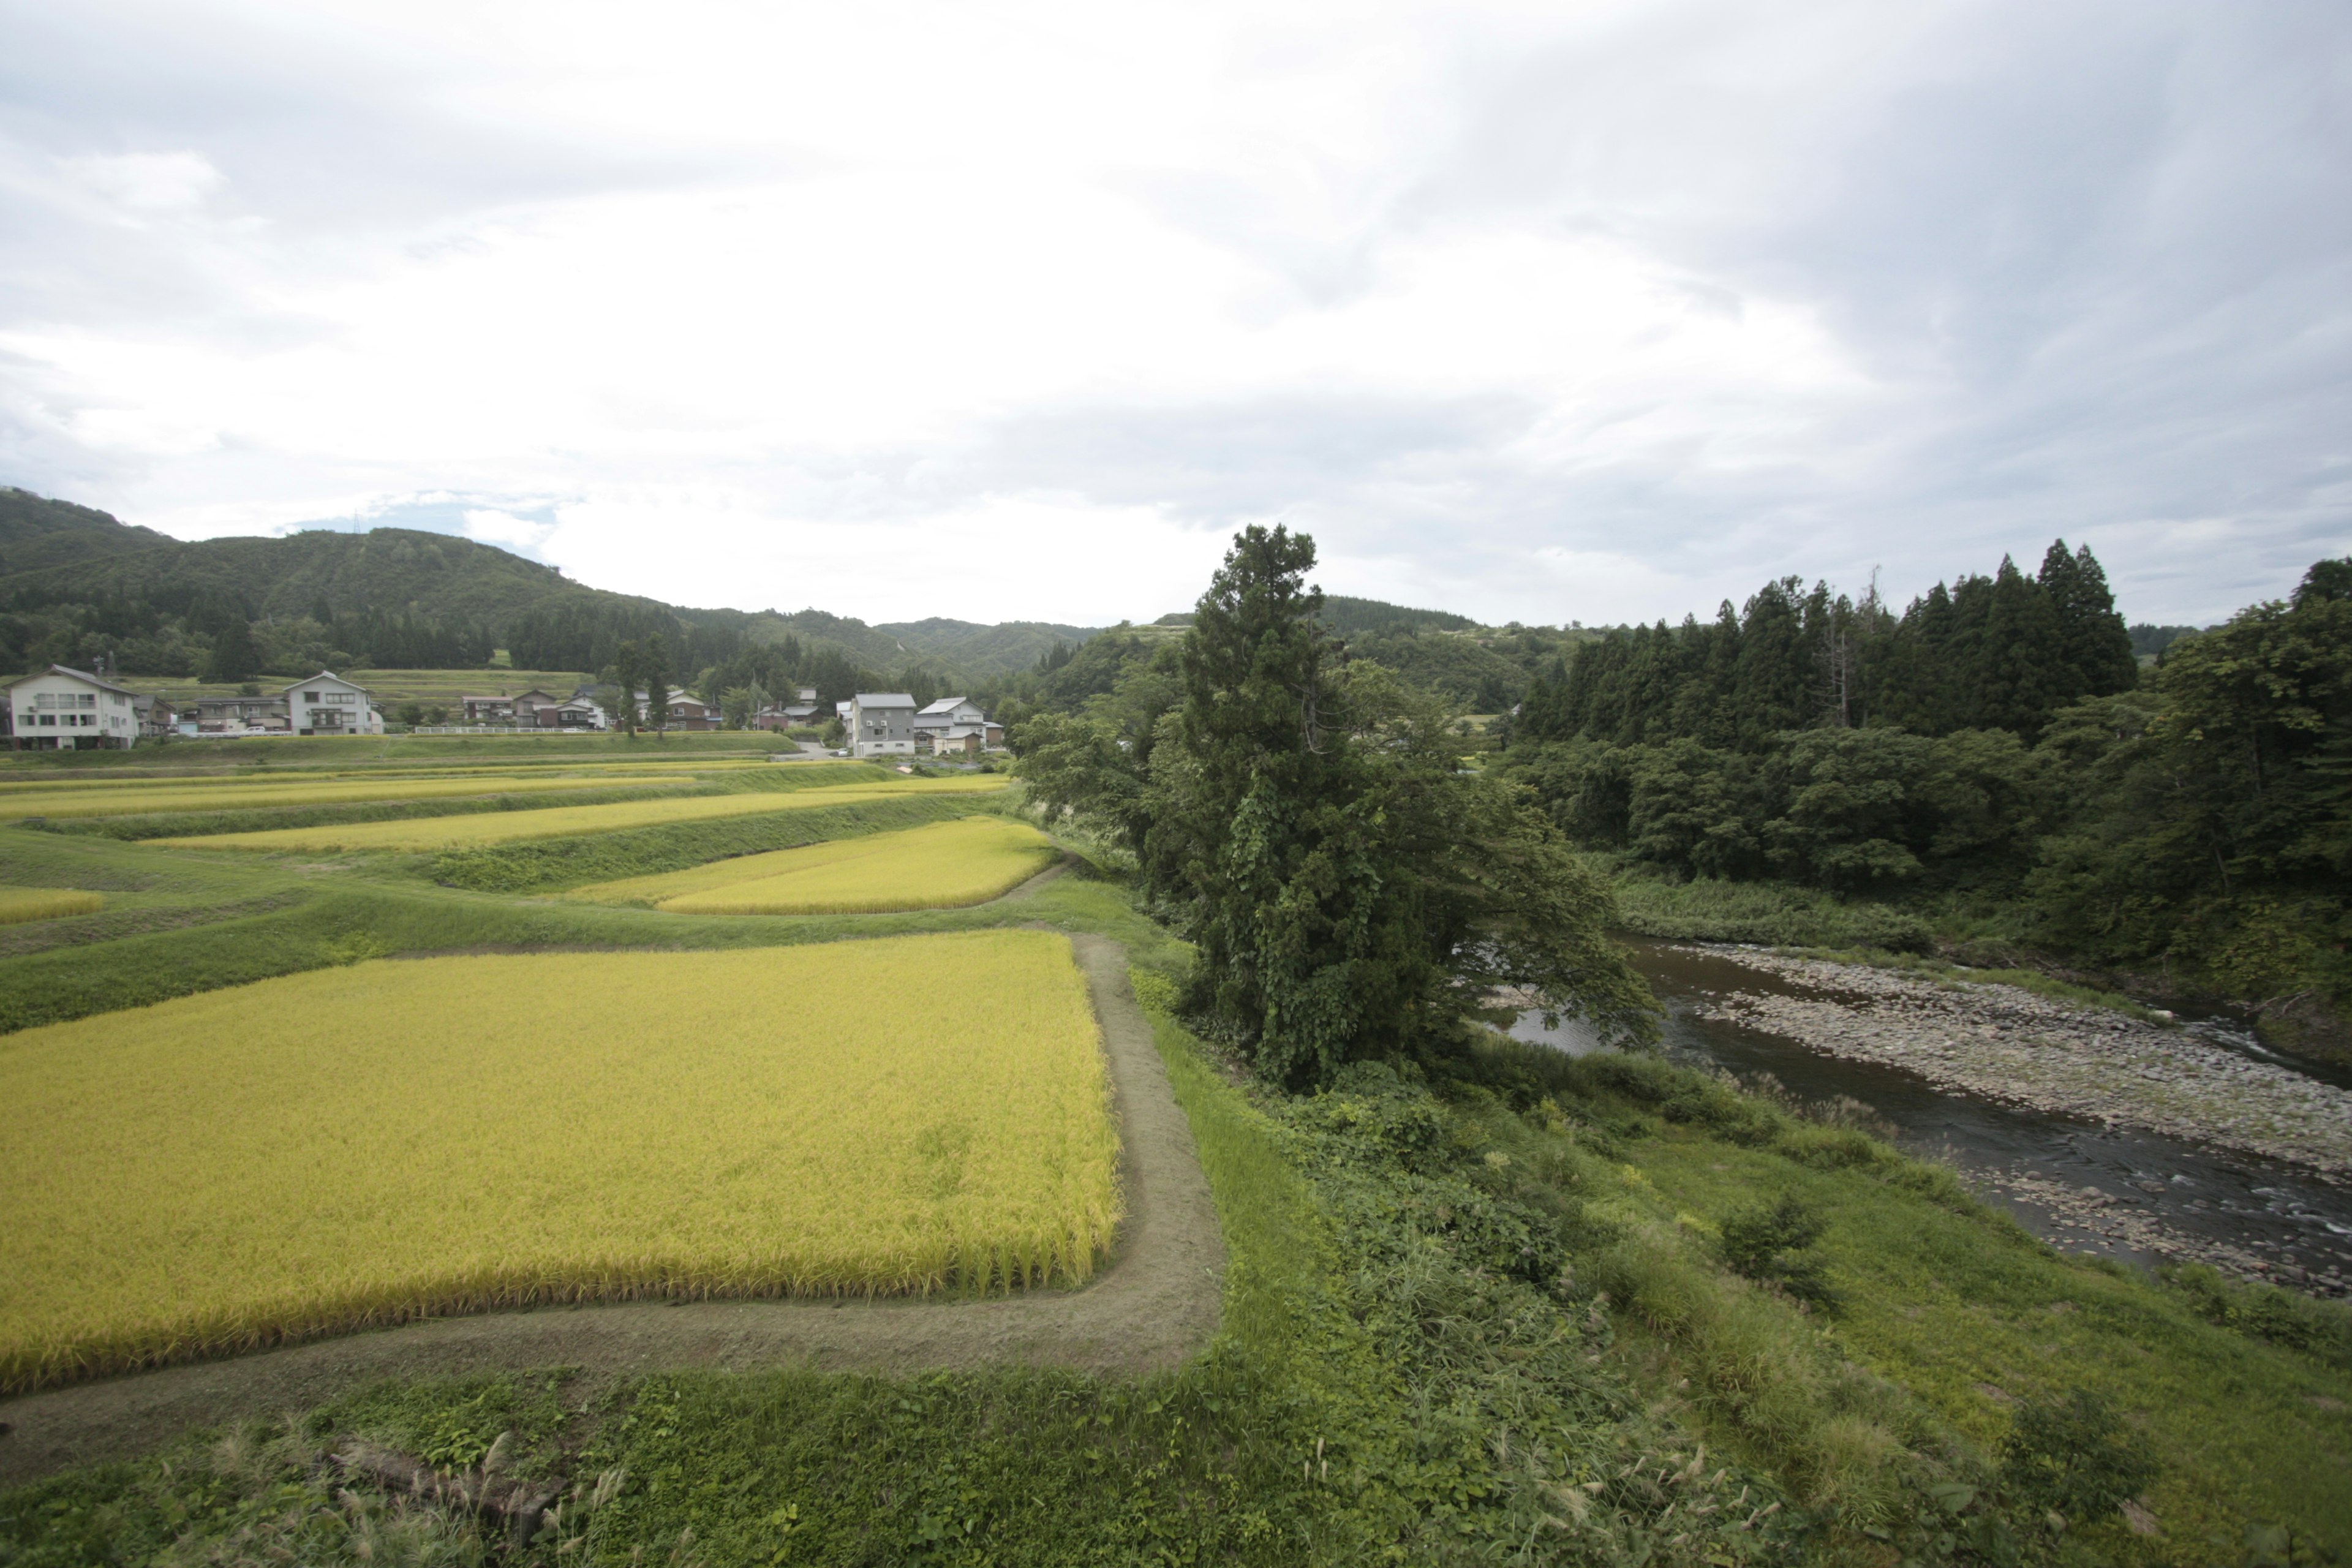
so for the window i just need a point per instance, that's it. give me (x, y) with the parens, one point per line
(310, 697)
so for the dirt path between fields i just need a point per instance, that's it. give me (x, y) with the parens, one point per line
(1154, 1305)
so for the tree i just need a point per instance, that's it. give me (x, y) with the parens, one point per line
(2095, 645)
(736, 708)
(234, 655)
(652, 668)
(1303, 817)
(411, 714)
(626, 676)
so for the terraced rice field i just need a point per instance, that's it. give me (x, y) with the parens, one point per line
(366, 1144)
(946, 865)
(21, 904)
(557, 822)
(234, 794)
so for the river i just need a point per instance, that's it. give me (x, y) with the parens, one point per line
(2113, 1189)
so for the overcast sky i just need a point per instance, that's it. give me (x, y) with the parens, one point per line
(1562, 312)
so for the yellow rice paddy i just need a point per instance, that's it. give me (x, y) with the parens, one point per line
(942, 866)
(236, 795)
(557, 822)
(19, 904)
(366, 1144)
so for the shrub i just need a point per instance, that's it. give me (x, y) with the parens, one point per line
(2069, 1456)
(1774, 1246)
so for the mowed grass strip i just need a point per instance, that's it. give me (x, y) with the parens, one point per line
(943, 866)
(364, 1146)
(20, 904)
(239, 793)
(557, 822)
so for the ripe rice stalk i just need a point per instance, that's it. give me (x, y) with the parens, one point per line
(555, 822)
(348, 1147)
(20, 904)
(240, 794)
(945, 865)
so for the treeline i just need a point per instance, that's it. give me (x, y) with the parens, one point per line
(586, 632)
(213, 637)
(2002, 652)
(1993, 754)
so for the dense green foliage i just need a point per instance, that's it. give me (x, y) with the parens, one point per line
(1355, 893)
(1987, 753)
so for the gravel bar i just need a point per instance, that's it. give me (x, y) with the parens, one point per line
(2005, 1044)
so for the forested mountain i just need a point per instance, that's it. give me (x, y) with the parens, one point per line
(982, 650)
(37, 533)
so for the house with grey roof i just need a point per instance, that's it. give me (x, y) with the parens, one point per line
(881, 724)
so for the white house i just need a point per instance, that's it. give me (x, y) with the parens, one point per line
(327, 704)
(62, 710)
(881, 724)
(947, 712)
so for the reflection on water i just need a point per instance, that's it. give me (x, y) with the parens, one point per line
(2279, 1213)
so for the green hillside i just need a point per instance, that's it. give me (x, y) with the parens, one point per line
(977, 649)
(37, 533)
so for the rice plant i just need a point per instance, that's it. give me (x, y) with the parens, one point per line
(370, 1143)
(230, 795)
(554, 822)
(19, 904)
(946, 865)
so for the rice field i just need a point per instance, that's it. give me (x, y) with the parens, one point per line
(946, 865)
(233, 794)
(20, 904)
(557, 822)
(363, 1145)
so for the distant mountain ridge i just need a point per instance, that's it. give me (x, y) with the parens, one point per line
(55, 551)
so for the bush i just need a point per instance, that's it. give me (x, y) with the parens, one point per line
(1774, 1246)
(2320, 1329)
(2068, 1455)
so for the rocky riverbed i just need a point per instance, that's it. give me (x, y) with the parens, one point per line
(2009, 1045)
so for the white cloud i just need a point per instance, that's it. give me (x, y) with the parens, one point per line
(146, 181)
(1683, 296)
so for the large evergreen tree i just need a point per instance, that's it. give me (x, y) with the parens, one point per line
(1353, 892)
(2094, 647)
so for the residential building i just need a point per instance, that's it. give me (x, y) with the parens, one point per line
(157, 717)
(243, 716)
(532, 709)
(806, 696)
(577, 711)
(966, 740)
(949, 712)
(498, 709)
(685, 712)
(327, 704)
(881, 724)
(61, 709)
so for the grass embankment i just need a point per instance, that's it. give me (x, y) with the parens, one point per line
(330, 1150)
(557, 822)
(946, 864)
(429, 687)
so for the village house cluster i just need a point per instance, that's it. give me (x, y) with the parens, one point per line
(59, 708)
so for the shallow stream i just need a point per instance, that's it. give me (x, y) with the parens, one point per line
(2082, 1186)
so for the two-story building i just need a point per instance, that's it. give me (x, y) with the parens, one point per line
(947, 713)
(159, 716)
(242, 716)
(327, 704)
(684, 712)
(61, 709)
(881, 724)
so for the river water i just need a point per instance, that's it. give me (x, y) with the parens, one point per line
(2084, 1187)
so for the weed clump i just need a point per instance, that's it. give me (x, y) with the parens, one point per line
(1774, 1245)
(2070, 1455)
